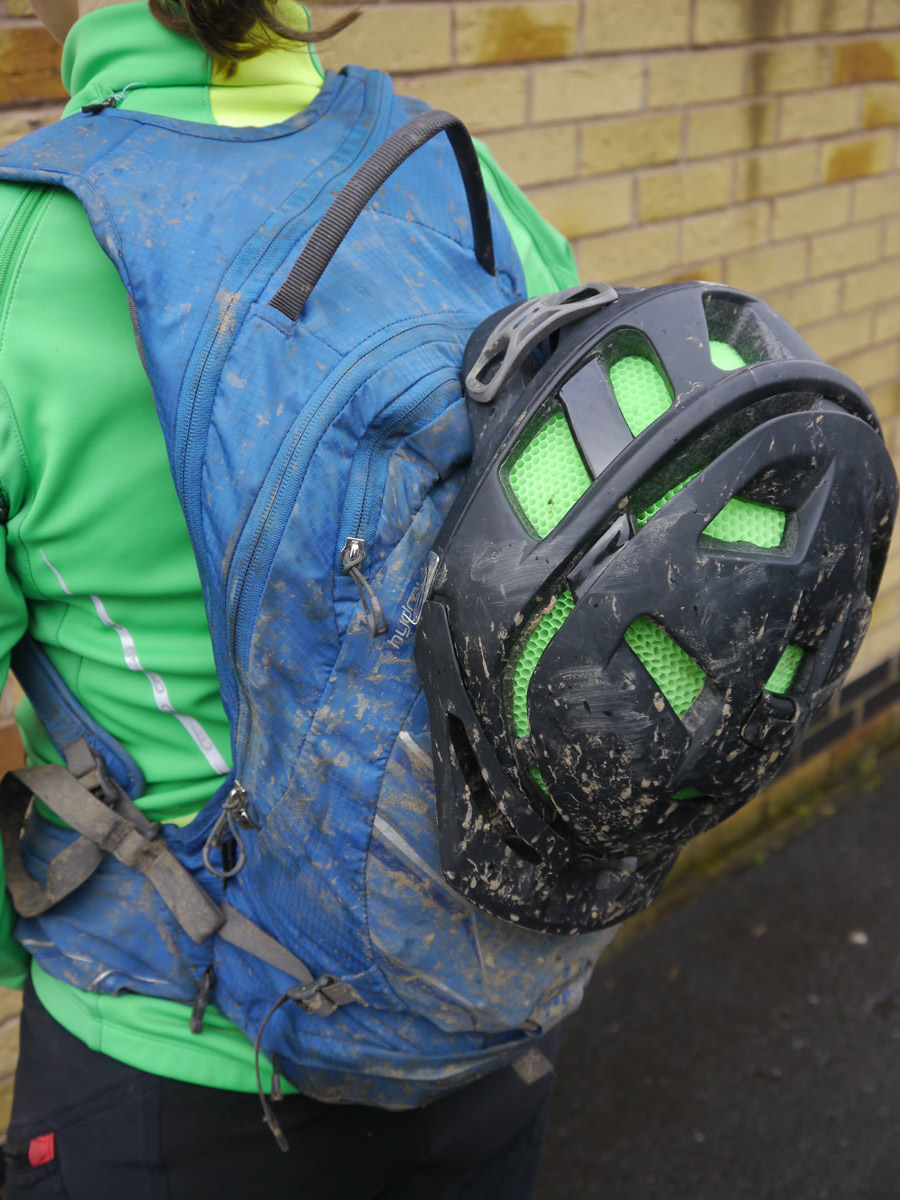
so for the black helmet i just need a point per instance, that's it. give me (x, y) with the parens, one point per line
(659, 569)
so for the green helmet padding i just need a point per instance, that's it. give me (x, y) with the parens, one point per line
(725, 357)
(641, 390)
(786, 669)
(672, 669)
(530, 656)
(547, 475)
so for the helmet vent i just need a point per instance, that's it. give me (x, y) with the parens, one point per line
(545, 476)
(739, 521)
(785, 670)
(642, 391)
(746, 521)
(480, 793)
(725, 357)
(530, 655)
(672, 669)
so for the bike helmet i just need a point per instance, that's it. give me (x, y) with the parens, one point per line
(658, 570)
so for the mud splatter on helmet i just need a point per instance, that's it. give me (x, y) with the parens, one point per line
(659, 570)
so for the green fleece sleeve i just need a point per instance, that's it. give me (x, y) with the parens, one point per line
(546, 256)
(13, 622)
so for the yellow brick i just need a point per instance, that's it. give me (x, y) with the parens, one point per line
(416, 37)
(739, 20)
(886, 398)
(726, 127)
(789, 169)
(10, 1003)
(885, 13)
(875, 649)
(29, 66)
(872, 285)
(591, 89)
(17, 8)
(869, 367)
(840, 335)
(674, 191)
(844, 250)
(818, 114)
(761, 271)
(712, 271)
(592, 206)
(9, 1046)
(881, 105)
(892, 239)
(6, 1099)
(632, 142)
(16, 125)
(696, 77)
(828, 16)
(811, 212)
(876, 197)
(790, 68)
(808, 301)
(611, 26)
(885, 609)
(494, 33)
(725, 232)
(854, 159)
(865, 62)
(536, 155)
(887, 323)
(492, 99)
(621, 257)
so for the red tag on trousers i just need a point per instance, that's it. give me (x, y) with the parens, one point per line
(42, 1149)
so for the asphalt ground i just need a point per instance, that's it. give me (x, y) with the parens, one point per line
(749, 1044)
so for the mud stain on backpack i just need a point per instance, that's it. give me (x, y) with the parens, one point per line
(227, 305)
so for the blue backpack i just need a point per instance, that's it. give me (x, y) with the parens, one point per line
(306, 899)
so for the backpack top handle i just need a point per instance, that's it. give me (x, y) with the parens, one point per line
(356, 194)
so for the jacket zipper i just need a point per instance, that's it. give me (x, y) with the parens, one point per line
(16, 227)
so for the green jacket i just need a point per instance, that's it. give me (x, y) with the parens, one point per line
(99, 567)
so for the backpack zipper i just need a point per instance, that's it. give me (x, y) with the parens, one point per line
(262, 532)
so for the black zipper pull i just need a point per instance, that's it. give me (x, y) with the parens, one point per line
(93, 109)
(112, 100)
(353, 556)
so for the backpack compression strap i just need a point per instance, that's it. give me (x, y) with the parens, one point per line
(356, 194)
(113, 824)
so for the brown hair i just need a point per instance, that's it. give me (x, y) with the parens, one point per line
(233, 30)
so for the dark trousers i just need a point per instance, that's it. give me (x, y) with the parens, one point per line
(118, 1132)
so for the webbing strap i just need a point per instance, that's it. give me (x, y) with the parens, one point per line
(125, 832)
(322, 996)
(66, 872)
(356, 194)
(128, 837)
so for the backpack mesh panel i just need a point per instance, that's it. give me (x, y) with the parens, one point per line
(548, 475)
(785, 671)
(672, 670)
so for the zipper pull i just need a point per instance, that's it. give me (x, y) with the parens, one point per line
(353, 556)
(111, 101)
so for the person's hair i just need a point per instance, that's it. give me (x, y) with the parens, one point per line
(233, 30)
